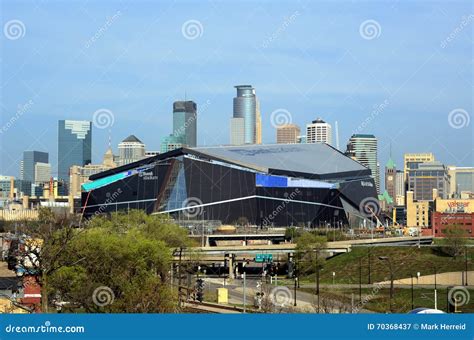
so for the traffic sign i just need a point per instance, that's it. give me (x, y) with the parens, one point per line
(263, 258)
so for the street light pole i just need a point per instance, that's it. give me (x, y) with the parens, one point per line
(465, 265)
(386, 258)
(296, 284)
(360, 279)
(317, 284)
(412, 297)
(368, 255)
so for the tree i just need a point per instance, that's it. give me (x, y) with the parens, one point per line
(309, 249)
(121, 263)
(455, 240)
(46, 240)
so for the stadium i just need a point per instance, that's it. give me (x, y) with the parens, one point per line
(267, 185)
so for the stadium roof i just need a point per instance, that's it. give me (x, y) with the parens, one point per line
(318, 160)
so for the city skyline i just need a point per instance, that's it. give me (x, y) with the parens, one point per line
(339, 78)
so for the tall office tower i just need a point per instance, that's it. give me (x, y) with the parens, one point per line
(131, 149)
(363, 148)
(287, 134)
(426, 177)
(412, 160)
(245, 107)
(185, 122)
(237, 131)
(462, 180)
(391, 178)
(258, 125)
(42, 172)
(74, 147)
(400, 188)
(22, 170)
(184, 127)
(318, 132)
(30, 158)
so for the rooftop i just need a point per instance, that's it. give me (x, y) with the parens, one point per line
(132, 139)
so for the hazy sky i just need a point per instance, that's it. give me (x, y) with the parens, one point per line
(394, 69)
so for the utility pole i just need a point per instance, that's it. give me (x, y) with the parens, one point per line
(296, 284)
(465, 264)
(369, 256)
(360, 279)
(179, 277)
(317, 284)
(245, 291)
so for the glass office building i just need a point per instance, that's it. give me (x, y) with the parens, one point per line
(30, 158)
(74, 147)
(245, 106)
(184, 122)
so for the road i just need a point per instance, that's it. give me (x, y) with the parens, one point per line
(282, 297)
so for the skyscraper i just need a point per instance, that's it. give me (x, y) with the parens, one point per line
(184, 127)
(74, 146)
(131, 149)
(400, 188)
(30, 158)
(185, 122)
(42, 172)
(363, 148)
(287, 134)
(412, 160)
(247, 109)
(318, 131)
(426, 177)
(462, 180)
(258, 125)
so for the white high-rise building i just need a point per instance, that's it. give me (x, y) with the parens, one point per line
(42, 172)
(400, 188)
(319, 132)
(131, 149)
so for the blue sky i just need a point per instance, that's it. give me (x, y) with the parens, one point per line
(309, 58)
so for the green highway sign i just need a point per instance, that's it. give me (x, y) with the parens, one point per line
(264, 258)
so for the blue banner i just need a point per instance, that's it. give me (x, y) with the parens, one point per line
(243, 326)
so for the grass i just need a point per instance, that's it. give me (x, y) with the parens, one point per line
(405, 261)
(378, 300)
